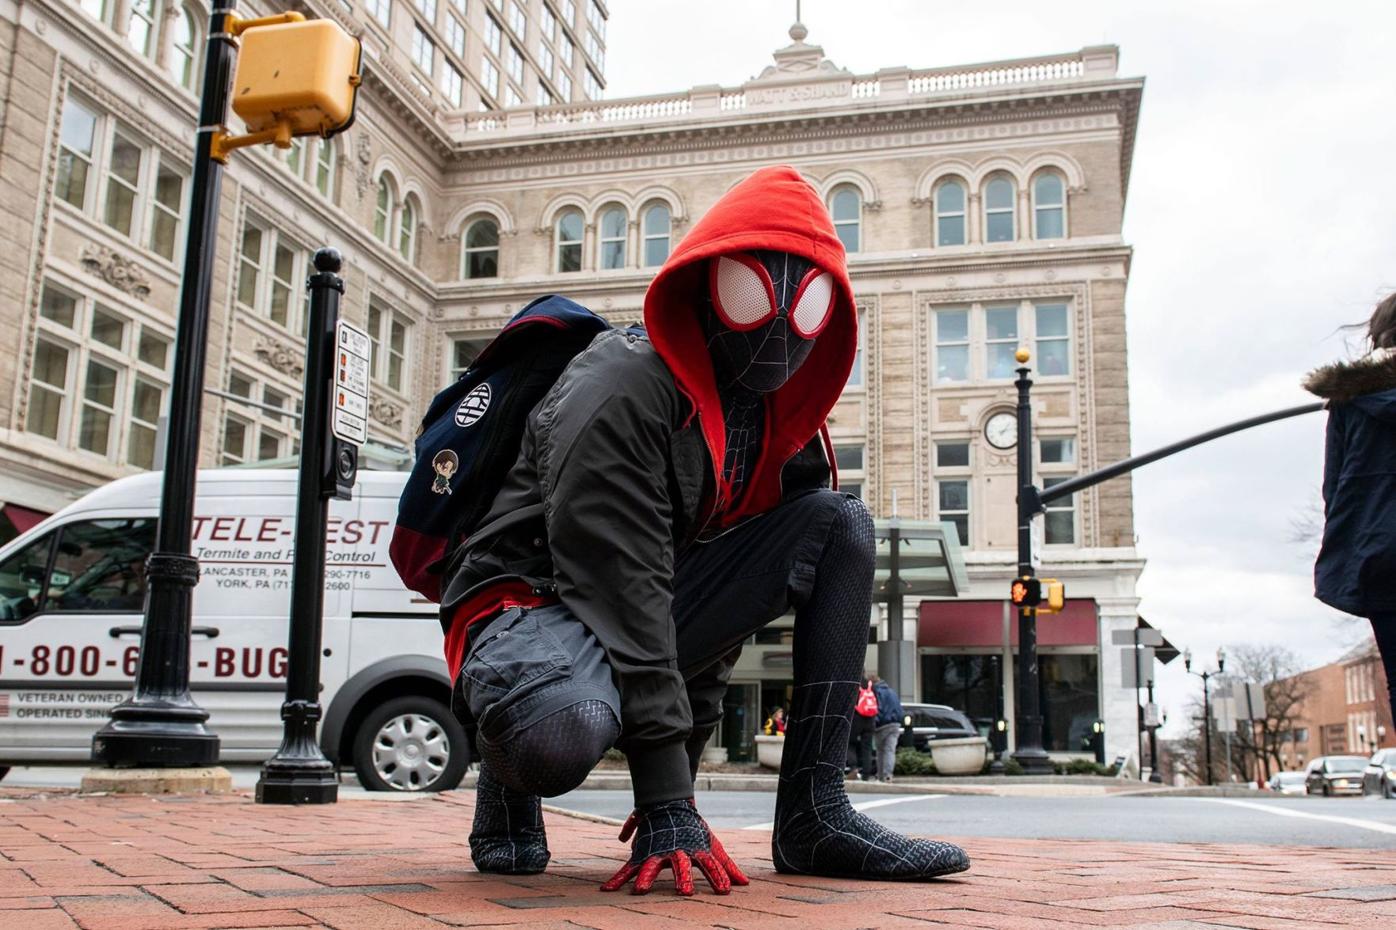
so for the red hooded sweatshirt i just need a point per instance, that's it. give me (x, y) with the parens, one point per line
(773, 209)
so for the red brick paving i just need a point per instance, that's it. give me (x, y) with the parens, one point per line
(203, 863)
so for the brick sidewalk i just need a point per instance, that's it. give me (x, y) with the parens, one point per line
(210, 862)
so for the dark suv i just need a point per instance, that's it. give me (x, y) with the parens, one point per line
(935, 721)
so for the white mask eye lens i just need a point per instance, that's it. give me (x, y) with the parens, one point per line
(742, 296)
(812, 305)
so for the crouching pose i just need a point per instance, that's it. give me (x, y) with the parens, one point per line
(671, 497)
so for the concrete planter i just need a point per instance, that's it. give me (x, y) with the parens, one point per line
(769, 750)
(964, 756)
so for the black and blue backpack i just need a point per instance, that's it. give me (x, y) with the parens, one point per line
(471, 433)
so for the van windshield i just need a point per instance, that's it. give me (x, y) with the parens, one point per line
(100, 565)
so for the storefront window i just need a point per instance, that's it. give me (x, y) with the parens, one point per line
(968, 683)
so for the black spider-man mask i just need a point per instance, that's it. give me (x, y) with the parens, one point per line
(765, 311)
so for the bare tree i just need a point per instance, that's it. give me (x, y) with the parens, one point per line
(1278, 670)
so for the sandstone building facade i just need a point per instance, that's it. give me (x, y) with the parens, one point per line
(981, 206)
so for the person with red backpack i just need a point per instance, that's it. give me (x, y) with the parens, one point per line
(860, 731)
(670, 494)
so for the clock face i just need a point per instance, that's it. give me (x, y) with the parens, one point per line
(1002, 430)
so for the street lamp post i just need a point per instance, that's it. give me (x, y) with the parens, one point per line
(160, 725)
(1029, 754)
(1206, 702)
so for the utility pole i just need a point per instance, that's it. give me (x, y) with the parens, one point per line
(1029, 753)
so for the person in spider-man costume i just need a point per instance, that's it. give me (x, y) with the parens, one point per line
(671, 497)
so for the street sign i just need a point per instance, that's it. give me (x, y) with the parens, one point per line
(1151, 715)
(1224, 712)
(1250, 697)
(1146, 637)
(1132, 666)
(351, 352)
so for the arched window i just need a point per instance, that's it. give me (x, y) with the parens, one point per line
(324, 167)
(1049, 206)
(569, 230)
(407, 231)
(140, 28)
(611, 243)
(846, 205)
(184, 55)
(950, 213)
(657, 224)
(383, 209)
(481, 257)
(999, 207)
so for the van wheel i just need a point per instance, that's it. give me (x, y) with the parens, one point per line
(4, 770)
(410, 743)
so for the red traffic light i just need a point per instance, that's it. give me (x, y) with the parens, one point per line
(1025, 592)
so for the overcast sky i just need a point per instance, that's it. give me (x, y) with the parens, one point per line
(1261, 213)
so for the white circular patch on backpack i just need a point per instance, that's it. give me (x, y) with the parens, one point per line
(473, 407)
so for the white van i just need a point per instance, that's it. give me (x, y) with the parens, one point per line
(71, 597)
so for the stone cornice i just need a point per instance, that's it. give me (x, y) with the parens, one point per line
(723, 130)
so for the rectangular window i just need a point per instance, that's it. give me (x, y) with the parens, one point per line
(1059, 523)
(463, 354)
(455, 35)
(547, 22)
(952, 345)
(427, 8)
(512, 98)
(596, 18)
(95, 433)
(544, 96)
(564, 86)
(489, 76)
(58, 306)
(569, 12)
(517, 20)
(1058, 451)
(235, 436)
(460, 5)
(953, 506)
(516, 64)
(594, 49)
(493, 36)
(451, 84)
(76, 139)
(1000, 341)
(569, 52)
(952, 455)
(146, 402)
(855, 374)
(48, 389)
(1053, 340)
(848, 458)
(591, 84)
(545, 60)
(381, 10)
(123, 182)
(165, 209)
(271, 268)
(387, 332)
(423, 51)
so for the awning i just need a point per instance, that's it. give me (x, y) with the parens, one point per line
(979, 624)
(23, 518)
(929, 560)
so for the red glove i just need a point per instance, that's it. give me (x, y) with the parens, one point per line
(673, 834)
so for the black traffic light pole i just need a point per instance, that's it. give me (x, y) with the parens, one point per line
(160, 725)
(1031, 503)
(299, 773)
(1028, 752)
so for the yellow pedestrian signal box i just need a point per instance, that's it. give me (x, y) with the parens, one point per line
(301, 75)
(1025, 592)
(1055, 596)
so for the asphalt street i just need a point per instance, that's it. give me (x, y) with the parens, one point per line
(1265, 820)
(1346, 822)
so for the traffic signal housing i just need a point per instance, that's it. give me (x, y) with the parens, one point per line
(1055, 596)
(1025, 592)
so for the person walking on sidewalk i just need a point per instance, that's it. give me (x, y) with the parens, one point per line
(890, 714)
(860, 733)
(1356, 567)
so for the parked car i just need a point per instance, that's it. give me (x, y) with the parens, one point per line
(1287, 782)
(1380, 775)
(1330, 775)
(935, 721)
(71, 595)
